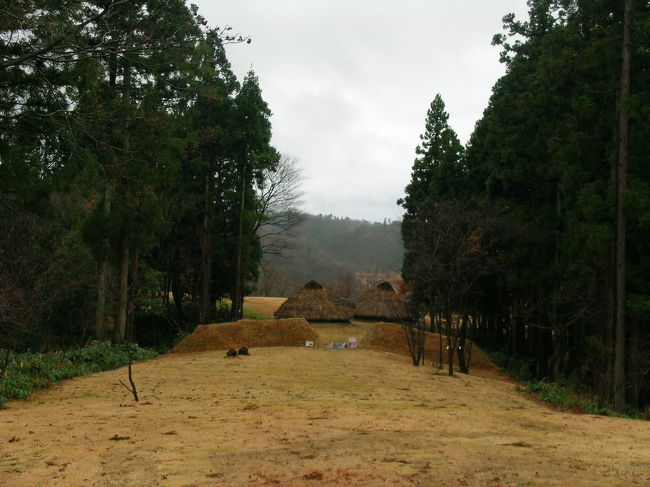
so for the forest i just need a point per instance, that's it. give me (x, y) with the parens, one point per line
(534, 236)
(136, 173)
(139, 187)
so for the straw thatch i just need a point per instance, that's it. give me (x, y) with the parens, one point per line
(314, 303)
(380, 303)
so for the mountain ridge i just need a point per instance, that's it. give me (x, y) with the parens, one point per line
(334, 251)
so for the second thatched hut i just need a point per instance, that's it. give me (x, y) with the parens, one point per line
(380, 303)
(315, 303)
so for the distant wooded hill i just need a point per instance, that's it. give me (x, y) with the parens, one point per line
(338, 252)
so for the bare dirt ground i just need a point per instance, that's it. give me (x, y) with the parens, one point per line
(292, 416)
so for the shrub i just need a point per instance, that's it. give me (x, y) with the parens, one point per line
(28, 372)
(519, 367)
(553, 393)
(567, 396)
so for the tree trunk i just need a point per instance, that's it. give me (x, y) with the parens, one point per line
(636, 356)
(623, 118)
(462, 335)
(177, 296)
(206, 307)
(472, 334)
(440, 335)
(133, 292)
(236, 308)
(100, 312)
(608, 385)
(103, 264)
(122, 292)
(450, 343)
(544, 345)
(103, 270)
(122, 300)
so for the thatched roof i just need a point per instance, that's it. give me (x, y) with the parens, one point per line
(385, 286)
(380, 303)
(314, 303)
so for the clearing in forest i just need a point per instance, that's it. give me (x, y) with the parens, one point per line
(293, 416)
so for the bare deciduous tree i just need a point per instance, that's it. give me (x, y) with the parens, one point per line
(450, 250)
(280, 197)
(411, 317)
(274, 281)
(130, 348)
(346, 285)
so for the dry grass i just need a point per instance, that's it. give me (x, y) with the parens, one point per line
(294, 417)
(389, 337)
(384, 337)
(263, 305)
(292, 332)
(247, 333)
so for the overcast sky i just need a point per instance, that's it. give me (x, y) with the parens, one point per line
(350, 82)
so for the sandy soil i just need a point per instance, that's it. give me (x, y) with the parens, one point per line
(291, 416)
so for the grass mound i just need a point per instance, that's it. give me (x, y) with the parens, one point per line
(388, 337)
(248, 333)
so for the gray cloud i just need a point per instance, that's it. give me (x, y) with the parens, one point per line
(349, 84)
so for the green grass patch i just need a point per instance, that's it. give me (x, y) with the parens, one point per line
(563, 394)
(29, 372)
(567, 397)
(254, 315)
(223, 308)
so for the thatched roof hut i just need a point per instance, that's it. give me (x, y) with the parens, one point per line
(380, 303)
(314, 303)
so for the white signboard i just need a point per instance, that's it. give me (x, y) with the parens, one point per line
(309, 343)
(352, 342)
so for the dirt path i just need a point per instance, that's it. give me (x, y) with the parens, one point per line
(340, 332)
(301, 417)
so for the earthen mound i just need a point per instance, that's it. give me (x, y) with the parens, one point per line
(250, 333)
(389, 337)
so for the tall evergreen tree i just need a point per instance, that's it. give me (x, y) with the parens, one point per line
(434, 244)
(121, 122)
(436, 175)
(255, 155)
(544, 154)
(437, 170)
(621, 187)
